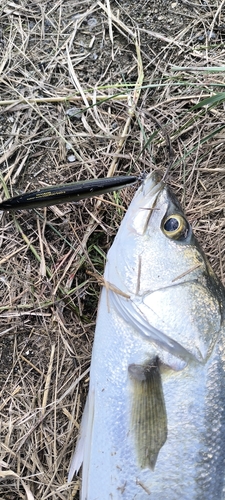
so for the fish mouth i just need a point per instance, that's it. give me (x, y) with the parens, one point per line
(153, 184)
(146, 199)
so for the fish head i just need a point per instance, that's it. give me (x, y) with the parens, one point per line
(159, 264)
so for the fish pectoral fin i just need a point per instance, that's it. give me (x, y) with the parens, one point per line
(148, 412)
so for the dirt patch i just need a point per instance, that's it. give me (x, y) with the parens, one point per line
(87, 91)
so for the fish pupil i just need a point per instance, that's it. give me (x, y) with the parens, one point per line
(171, 224)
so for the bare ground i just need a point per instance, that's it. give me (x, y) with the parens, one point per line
(89, 89)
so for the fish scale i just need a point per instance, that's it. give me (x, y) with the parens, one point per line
(154, 422)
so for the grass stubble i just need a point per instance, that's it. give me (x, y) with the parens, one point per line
(88, 89)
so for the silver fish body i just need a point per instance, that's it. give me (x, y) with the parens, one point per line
(154, 422)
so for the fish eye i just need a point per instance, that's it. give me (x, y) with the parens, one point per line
(175, 227)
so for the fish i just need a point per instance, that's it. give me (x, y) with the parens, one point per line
(62, 193)
(153, 427)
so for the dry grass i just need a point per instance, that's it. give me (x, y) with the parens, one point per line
(90, 89)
